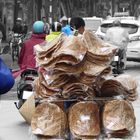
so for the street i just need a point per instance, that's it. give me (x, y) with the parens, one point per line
(47, 19)
(13, 126)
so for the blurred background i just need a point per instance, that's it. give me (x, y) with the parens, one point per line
(31, 10)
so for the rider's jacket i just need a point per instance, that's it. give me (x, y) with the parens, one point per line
(18, 29)
(27, 55)
(52, 36)
(117, 36)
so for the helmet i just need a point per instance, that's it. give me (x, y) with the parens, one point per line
(38, 27)
(116, 22)
(64, 18)
(56, 27)
(19, 19)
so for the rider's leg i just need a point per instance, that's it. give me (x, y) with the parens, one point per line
(121, 63)
(123, 59)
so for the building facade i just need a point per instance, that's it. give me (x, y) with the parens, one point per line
(88, 8)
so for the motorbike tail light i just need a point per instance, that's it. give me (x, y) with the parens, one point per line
(28, 78)
(29, 87)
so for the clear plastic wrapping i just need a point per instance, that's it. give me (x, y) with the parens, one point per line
(130, 84)
(84, 120)
(49, 120)
(118, 119)
(75, 88)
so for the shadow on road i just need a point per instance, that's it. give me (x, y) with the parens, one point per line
(23, 124)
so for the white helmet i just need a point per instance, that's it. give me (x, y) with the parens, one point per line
(19, 19)
(64, 18)
(56, 27)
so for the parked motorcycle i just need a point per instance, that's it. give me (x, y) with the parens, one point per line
(25, 86)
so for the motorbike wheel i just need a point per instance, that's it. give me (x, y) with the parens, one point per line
(15, 52)
(120, 69)
(13, 58)
(117, 68)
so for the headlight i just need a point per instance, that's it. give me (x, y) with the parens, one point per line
(135, 38)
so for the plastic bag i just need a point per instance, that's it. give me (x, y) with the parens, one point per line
(84, 120)
(49, 120)
(118, 119)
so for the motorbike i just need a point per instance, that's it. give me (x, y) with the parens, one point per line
(25, 86)
(117, 62)
(15, 45)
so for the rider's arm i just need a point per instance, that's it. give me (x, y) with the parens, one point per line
(125, 38)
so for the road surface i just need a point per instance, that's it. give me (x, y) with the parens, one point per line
(13, 126)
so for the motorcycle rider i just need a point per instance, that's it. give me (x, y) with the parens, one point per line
(77, 25)
(27, 56)
(27, 62)
(65, 26)
(56, 30)
(119, 37)
(46, 26)
(17, 28)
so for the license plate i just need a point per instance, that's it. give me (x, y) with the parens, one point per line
(27, 94)
(116, 58)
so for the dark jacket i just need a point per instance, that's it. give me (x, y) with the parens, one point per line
(27, 56)
(18, 29)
